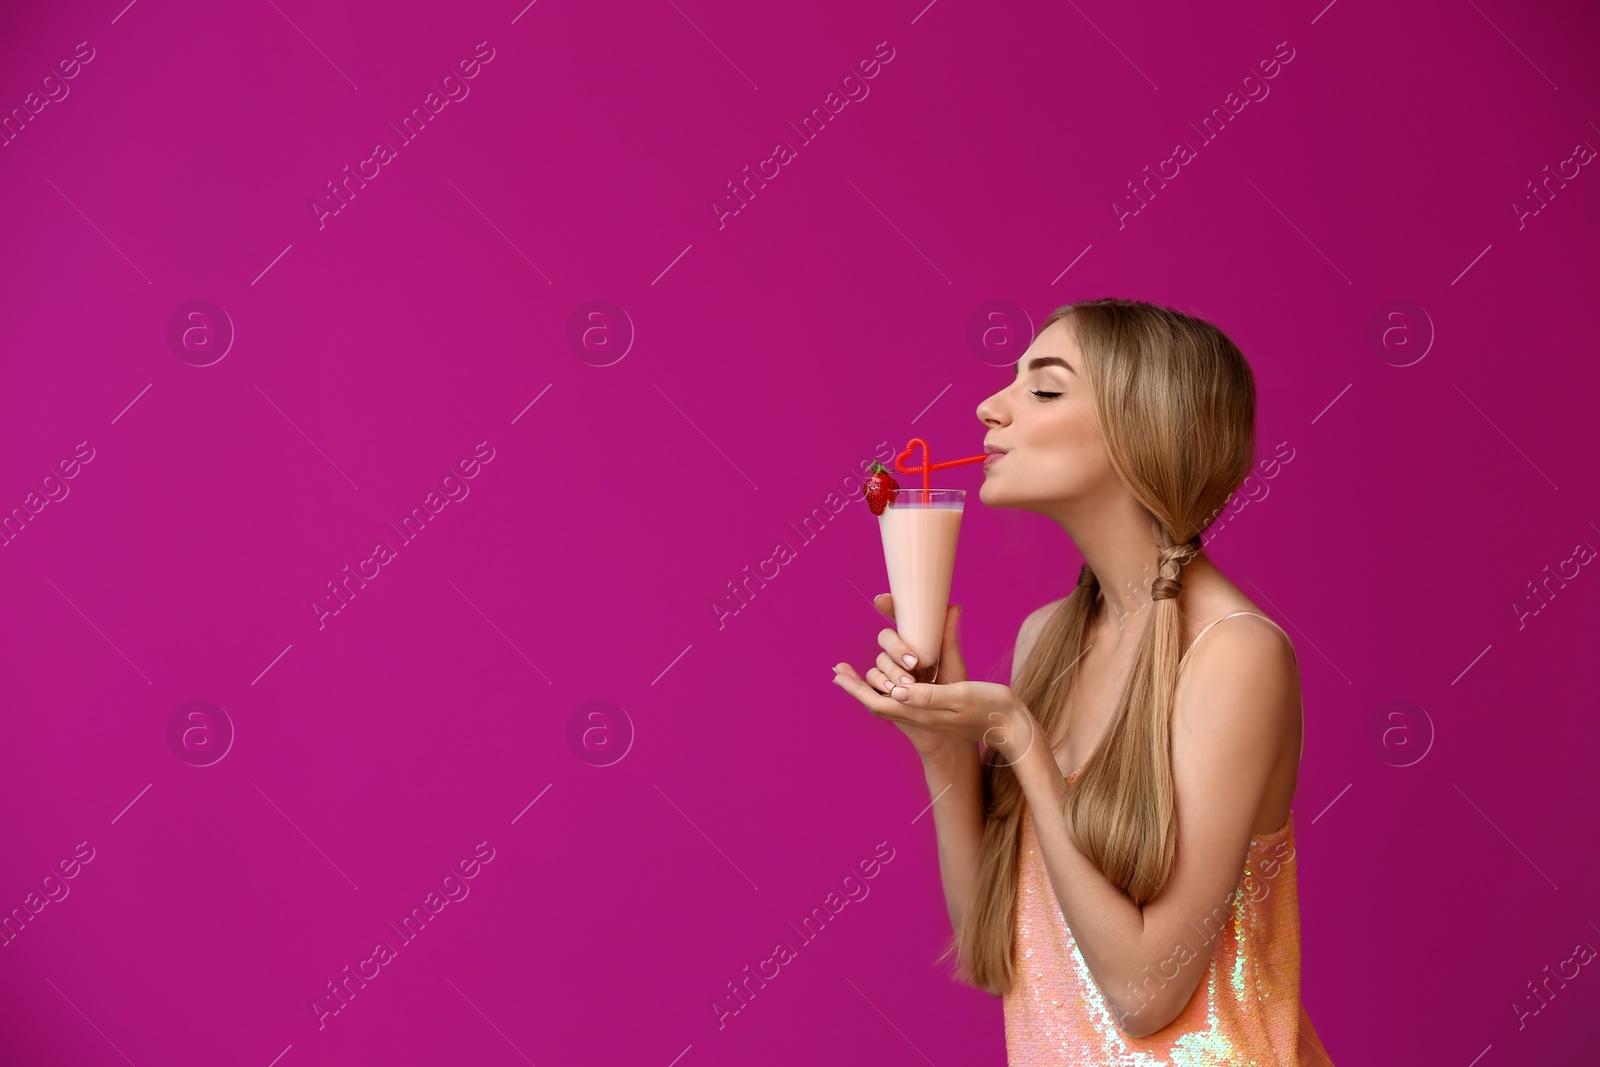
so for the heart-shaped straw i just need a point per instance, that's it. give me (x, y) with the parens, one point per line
(928, 466)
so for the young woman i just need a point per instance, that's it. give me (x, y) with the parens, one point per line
(1114, 827)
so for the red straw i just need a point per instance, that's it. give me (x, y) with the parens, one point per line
(928, 466)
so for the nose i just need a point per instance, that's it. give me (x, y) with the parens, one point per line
(992, 411)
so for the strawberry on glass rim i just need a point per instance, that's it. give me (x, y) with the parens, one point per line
(880, 488)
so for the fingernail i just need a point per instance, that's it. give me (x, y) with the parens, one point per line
(907, 679)
(909, 660)
(836, 670)
(900, 692)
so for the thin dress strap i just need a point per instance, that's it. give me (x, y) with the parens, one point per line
(1292, 653)
(1209, 625)
(1196, 641)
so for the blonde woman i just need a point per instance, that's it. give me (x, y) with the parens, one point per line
(1114, 827)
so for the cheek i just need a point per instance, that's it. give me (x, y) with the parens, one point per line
(1072, 449)
(1064, 431)
(1085, 435)
(1051, 453)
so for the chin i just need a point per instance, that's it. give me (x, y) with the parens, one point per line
(991, 495)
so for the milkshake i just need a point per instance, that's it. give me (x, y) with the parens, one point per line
(919, 528)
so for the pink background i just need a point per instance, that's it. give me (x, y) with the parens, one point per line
(1446, 855)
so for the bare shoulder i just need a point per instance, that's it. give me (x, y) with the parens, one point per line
(1039, 616)
(1028, 634)
(1210, 599)
(1241, 679)
(1238, 640)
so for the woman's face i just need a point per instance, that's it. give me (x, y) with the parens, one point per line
(1044, 421)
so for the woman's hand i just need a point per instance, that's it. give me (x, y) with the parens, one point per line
(959, 712)
(952, 668)
(891, 668)
(931, 736)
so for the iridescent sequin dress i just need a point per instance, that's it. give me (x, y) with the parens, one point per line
(1245, 1010)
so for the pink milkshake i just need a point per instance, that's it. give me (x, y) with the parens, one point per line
(919, 528)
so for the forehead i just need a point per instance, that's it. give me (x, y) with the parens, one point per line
(1055, 344)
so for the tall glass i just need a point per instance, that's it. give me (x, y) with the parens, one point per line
(920, 528)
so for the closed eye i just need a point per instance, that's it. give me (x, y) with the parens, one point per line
(1036, 392)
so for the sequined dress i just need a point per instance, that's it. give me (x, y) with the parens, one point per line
(1245, 1010)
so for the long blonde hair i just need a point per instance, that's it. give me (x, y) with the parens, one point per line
(1175, 403)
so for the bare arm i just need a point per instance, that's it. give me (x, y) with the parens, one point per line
(955, 781)
(1228, 727)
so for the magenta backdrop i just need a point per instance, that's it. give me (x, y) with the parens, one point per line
(541, 315)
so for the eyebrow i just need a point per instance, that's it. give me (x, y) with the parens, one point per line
(1043, 361)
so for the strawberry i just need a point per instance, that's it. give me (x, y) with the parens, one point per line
(880, 488)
